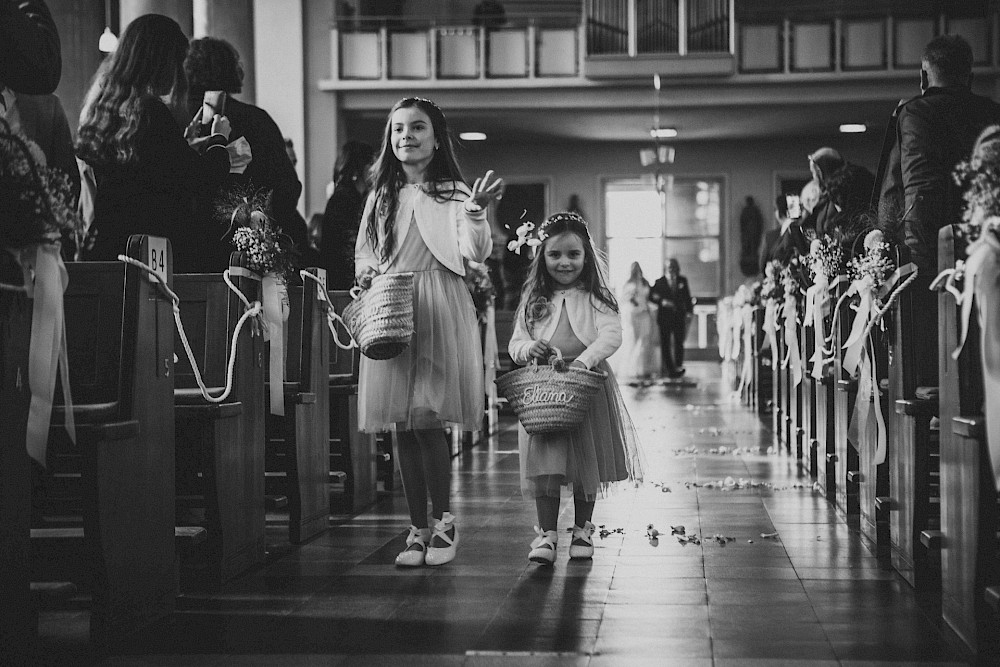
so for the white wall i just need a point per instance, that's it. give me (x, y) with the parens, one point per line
(280, 69)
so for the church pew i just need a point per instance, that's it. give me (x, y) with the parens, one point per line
(807, 417)
(119, 476)
(779, 382)
(825, 417)
(352, 453)
(844, 456)
(967, 540)
(297, 456)
(762, 376)
(18, 616)
(220, 446)
(913, 451)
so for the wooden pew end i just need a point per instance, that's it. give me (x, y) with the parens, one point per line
(883, 504)
(831, 458)
(855, 477)
(932, 539)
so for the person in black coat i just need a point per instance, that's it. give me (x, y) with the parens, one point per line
(933, 132)
(30, 53)
(675, 308)
(214, 64)
(151, 174)
(342, 216)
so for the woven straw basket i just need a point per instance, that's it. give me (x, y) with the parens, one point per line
(547, 400)
(381, 317)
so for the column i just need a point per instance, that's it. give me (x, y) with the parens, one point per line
(179, 10)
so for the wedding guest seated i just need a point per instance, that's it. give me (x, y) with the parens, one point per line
(823, 163)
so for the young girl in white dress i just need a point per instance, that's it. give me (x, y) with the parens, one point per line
(566, 304)
(422, 217)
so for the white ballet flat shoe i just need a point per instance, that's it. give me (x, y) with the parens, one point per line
(582, 545)
(444, 541)
(543, 547)
(415, 552)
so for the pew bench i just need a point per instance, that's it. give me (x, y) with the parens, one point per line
(353, 455)
(220, 446)
(297, 454)
(108, 498)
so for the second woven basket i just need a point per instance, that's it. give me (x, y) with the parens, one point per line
(381, 317)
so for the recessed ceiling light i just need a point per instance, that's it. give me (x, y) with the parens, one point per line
(663, 132)
(853, 128)
(472, 136)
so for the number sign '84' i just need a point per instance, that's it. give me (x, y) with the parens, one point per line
(157, 257)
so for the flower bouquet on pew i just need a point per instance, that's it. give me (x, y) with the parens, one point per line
(37, 214)
(771, 293)
(825, 262)
(271, 257)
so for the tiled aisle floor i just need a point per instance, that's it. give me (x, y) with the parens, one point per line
(811, 594)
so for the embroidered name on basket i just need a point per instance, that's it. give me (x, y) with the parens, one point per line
(537, 395)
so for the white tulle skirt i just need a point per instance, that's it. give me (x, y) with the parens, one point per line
(438, 379)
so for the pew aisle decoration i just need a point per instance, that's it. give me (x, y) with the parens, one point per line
(743, 334)
(477, 279)
(789, 317)
(875, 284)
(771, 292)
(37, 211)
(979, 274)
(270, 257)
(824, 265)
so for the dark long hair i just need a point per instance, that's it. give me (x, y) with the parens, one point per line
(353, 162)
(387, 175)
(148, 63)
(213, 64)
(540, 285)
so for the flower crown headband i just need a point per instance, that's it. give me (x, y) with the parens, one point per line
(526, 235)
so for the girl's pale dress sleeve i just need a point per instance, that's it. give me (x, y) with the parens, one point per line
(520, 340)
(364, 255)
(475, 238)
(609, 336)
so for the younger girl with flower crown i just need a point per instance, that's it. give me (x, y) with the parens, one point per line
(566, 305)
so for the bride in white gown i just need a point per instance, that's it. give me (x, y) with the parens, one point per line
(637, 357)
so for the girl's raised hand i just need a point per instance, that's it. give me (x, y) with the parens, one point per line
(488, 188)
(540, 350)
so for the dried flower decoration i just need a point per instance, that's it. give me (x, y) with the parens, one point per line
(770, 287)
(826, 258)
(875, 265)
(477, 279)
(979, 178)
(255, 233)
(36, 201)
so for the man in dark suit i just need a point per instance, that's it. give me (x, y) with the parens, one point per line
(933, 132)
(675, 310)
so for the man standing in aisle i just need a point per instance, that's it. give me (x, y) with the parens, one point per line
(675, 310)
(932, 133)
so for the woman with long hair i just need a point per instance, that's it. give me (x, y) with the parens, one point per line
(421, 217)
(152, 176)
